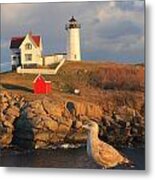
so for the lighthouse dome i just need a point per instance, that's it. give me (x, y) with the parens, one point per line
(72, 24)
(72, 19)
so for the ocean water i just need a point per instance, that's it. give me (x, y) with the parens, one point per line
(65, 158)
(5, 67)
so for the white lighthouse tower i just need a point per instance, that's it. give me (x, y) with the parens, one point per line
(73, 40)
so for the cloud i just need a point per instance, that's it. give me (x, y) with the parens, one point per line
(120, 11)
(137, 6)
(15, 13)
(118, 28)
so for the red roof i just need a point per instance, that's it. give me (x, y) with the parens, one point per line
(17, 41)
(36, 39)
(39, 77)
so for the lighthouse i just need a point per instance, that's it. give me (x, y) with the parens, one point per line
(73, 40)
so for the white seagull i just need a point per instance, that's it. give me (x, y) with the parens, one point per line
(103, 154)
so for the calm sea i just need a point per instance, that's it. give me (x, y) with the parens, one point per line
(5, 67)
(65, 158)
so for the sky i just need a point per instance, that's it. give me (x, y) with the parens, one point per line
(110, 30)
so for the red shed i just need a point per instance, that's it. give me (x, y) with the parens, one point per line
(40, 86)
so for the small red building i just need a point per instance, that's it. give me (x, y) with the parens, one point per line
(40, 86)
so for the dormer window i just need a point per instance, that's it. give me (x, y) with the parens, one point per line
(28, 46)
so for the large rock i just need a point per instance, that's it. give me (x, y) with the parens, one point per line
(37, 122)
(6, 139)
(44, 122)
(9, 111)
(13, 111)
(78, 136)
(9, 125)
(9, 118)
(42, 136)
(88, 109)
(63, 129)
(51, 124)
(47, 126)
(78, 124)
(4, 106)
(53, 108)
(37, 107)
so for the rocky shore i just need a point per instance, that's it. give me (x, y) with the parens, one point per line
(44, 122)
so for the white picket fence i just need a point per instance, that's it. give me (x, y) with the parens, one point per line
(40, 71)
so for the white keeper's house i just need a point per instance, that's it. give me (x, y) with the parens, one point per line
(26, 51)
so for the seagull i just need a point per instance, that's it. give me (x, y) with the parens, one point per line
(104, 154)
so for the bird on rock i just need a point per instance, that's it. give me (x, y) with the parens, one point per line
(104, 154)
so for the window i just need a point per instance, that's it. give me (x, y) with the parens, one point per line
(28, 57)
(14, 58)
(28, 46)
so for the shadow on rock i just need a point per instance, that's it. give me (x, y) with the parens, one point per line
(23, 135)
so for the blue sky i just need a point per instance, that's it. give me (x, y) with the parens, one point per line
(111, 30)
